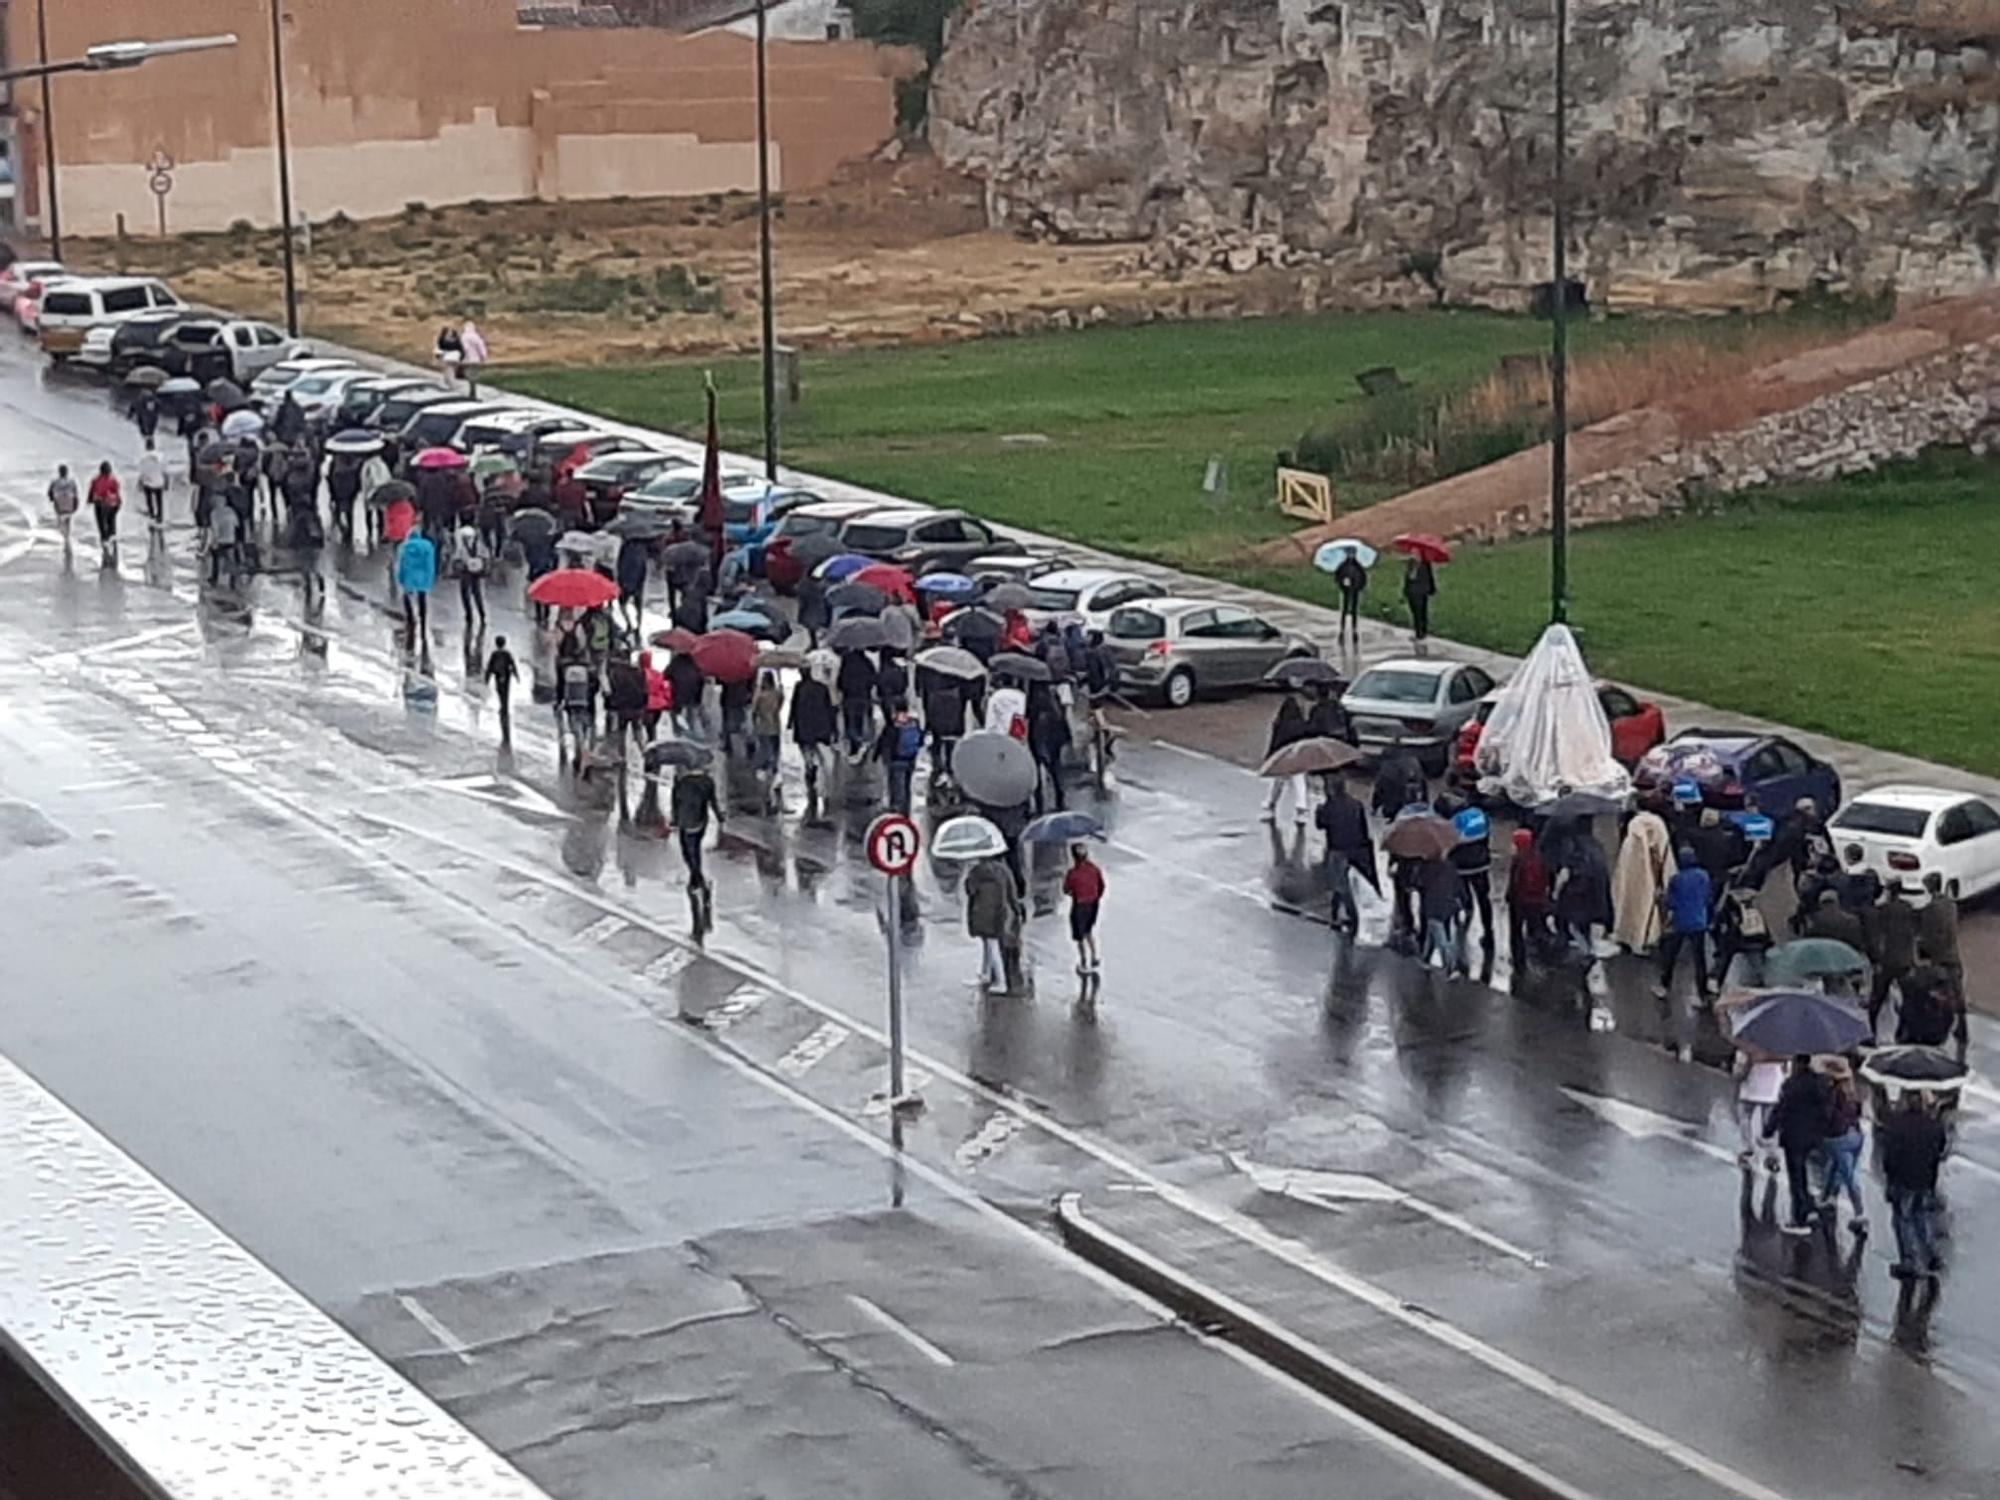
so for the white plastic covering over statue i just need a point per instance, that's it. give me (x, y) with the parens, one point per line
(1547, 734)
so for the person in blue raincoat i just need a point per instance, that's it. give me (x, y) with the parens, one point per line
(416, 576)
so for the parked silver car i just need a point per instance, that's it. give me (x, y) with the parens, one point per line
(1417, 704)
(1176, 648)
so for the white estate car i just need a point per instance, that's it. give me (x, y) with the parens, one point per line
(70, 309)
(1908, 832)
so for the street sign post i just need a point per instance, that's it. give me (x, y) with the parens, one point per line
(161, 181)
(893, 842)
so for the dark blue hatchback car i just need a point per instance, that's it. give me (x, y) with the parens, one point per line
(1734, 769)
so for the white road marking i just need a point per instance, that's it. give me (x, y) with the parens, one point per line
(1330, 1189)
(126, 643)
(661, 969)
(737, 1004)
(11, 550)
(1296, 1255)
(1000, 1128)
(107, 784)
(1642, 1124)
(803, 1058)
(602, 930)
(901, 1329)
(449, 1341)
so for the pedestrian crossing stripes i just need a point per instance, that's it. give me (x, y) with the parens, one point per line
(801, 1059)
(667, 965)
(599, 931)
(739, 1003)
(1001, 1127)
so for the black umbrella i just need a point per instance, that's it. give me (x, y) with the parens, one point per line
(685, 555)
(856, 599)
(1014, 664)
(810, 551)
(680, 754)
(214, 455)
(994, 768)
(975, 622)
(392, 491)
(1925, 1068)
(901, 628)
(858, 633)
(1305, 671)
(1577, 805)
(950, 661)
(1009, 596)
(226, 394)
(534, 521)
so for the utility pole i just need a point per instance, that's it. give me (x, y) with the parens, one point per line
(284, 171)
(764, 257)
(1559, 357)
(52, 211)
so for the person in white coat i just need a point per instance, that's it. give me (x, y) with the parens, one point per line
(1644, 861)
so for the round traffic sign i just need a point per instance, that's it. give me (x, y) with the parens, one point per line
(893, 842)
(162, 183)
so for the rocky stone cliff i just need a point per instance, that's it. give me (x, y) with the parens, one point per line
(1723, 155)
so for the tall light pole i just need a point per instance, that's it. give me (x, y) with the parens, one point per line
(284, 170)
(764, 257)
(1559, 355)
(52, 213)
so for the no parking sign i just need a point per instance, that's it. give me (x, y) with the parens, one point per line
(893, 842)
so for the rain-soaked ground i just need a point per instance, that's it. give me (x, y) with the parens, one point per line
(424, 1028)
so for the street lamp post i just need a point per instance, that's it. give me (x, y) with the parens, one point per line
(52, 214)
(1559, 338)
(764, 258)
(105, 57)
(284, 170)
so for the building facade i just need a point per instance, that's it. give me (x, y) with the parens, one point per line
(391, 102)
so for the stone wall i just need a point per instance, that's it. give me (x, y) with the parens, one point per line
(1724, 156)
(1952, 398)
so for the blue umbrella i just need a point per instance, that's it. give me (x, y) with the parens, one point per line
(1334, 553)
(1786, 1023)
(844, 566)
(752, 622)
(948, 585)
(1062, 828)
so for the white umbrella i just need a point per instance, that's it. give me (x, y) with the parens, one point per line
(966, 838)
(243, 423)
(1332, 554)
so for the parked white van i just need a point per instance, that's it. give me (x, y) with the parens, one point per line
(72, 307)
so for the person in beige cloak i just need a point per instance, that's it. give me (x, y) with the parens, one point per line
(1644, 860)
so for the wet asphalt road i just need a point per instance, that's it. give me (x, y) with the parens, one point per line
(427, 1033)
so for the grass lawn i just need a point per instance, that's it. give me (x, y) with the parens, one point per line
(1862, 608)
(1131, 415)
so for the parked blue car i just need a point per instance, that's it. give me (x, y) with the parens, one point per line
(1734, 769)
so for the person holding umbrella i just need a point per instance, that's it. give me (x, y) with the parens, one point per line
(416, 576)
(1800, 1121)
(1048, 742)
(1351, 577)
(1912, 1143)
(897, 747)
(812, 725)
(856, 682)
(1419, 588)
(1350, 850)
(944, 715)
(993, 915)
(634, 562)
(1288, 727)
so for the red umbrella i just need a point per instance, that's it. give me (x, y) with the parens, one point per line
(676, 639)
(1422, 546)
(441, 458)
(890, 579)
(726, 656)
(398, 520)
(573, 588)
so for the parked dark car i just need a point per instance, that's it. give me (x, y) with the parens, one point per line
(920, 539)
(1731, 767)
(360, 402)
(608, 477)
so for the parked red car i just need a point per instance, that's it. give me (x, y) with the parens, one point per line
(1636, 727)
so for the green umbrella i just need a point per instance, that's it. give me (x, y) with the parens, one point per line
(1806, 959)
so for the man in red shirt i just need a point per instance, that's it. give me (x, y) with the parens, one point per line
(105, 498)
(1084, 885)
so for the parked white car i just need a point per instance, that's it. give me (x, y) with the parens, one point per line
(1909, 832)
(70, 309)
(1087, 594)
(270, 386)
